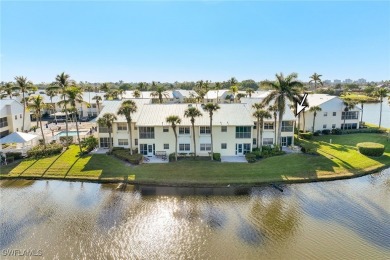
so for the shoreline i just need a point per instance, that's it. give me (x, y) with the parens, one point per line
(199, 185)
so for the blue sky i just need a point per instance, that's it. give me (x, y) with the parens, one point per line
(100, 41)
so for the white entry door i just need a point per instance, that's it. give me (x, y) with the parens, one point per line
(150, 150)
(239, 150)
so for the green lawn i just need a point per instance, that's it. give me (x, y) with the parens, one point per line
(360, 97)
(339, 159)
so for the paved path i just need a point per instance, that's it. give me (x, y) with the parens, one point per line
(236, 159)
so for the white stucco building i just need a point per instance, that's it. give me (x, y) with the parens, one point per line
(11, 117)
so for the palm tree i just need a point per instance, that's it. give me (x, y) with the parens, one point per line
(193, 112)
(160, 93)
(362, 102)
(314, 109)
(316, 78)
(249, 92)
(127, 108)
(174, 121)
(7, 90)
(285, 88)
(217, 88)
(89, 89)
(381, 93)
(211, 108)
(74, 95)
(23, 86)
(234, 90)
(349, 104)
(98, 100)
(232, 81)
(105, 87)
(50, 92)
(274, 110)
(136, 93)
(36, 103)
(107, 120)
(260, 114)
(62, 81)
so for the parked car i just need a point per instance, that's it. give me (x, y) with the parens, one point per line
(84, 119)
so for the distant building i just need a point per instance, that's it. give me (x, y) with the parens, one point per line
(361, 81)
(327, 82)
(348, 81)
(336, 81)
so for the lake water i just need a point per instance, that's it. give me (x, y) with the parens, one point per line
(371, 113)
(347, 219)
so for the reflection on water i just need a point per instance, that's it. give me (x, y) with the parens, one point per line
(342, 219)
(371, 112)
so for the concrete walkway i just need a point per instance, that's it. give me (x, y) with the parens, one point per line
(235, 159)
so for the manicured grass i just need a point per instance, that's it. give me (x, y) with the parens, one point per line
(337, 159)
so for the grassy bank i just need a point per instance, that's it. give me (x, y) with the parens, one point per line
(337, 160)
(359, 98)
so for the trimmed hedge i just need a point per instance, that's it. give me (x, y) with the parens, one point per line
(216, 156)
(307, 135)
(336, 131)
(375, 130)
(124, 154)
(41, 151)
(16, 155)
(250, 157)
(326, 132)
(371, 149)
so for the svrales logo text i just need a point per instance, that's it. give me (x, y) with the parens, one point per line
(21, 252)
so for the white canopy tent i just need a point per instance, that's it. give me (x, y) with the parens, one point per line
(23, 141)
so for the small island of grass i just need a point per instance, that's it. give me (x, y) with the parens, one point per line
(336, 159)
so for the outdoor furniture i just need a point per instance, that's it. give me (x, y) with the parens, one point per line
(161, 154)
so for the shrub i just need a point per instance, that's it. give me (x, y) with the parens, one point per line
(336, 131)
(172, 157)
(250, 157)
(375, 130)
(307, 135)
(16, 155)
(124, 154)
(41, 151)
(117, 148)
(217, 156)
(326, 132)
(66, 141)
(371, 149)
(257, 153)
(317, 133)
(89, 143)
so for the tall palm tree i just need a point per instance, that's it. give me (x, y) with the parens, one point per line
(362, 102)
(349, 104)
(36, 103)
(142, 86)
(274, 110)
(381, 93)
(314, 109)
(160, 93)
(284, 88)
(137, 93)
(127, 108)
(211, 108)
(232, 81)
(89, 89)
(260, 115)
(193, 112)
(50, 92)
(62, 81)
(107, 120)
(23, 85)
(174, 121)
(98, 99)
(249, 92)
(316, 78)
(74, 95)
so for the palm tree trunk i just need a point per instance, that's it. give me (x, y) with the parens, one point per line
(304, 121)
(380, 113)
(280, 129)
(43, 136)
(299, 124)
(261, 136)
(193, 136)
(66, 121)
(361, 119)
(174, 131)
(314, 121)
(258, 126)
(24, 110)
(130, 135)
(36, 118)
(109, 140)
(275, 118)
(211, 136)
(78, 135)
